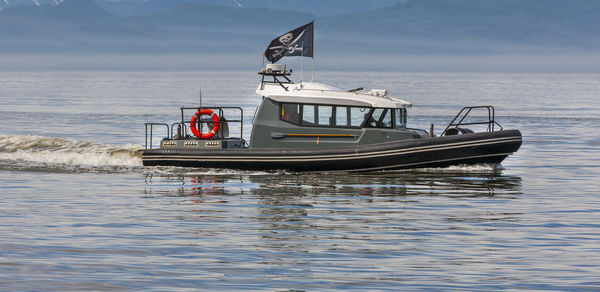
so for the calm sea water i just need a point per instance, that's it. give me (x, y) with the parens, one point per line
(79, 212)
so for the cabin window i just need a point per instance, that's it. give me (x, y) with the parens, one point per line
(341, 116)
(400, 118)
(289, 112)
(308, 115)
(325, 115)
(381, 118)
(328, 115)
(358, 115)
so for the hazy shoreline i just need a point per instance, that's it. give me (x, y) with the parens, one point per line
(407, 63)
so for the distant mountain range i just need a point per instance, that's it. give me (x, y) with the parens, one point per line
(141, 7)
(554, 21)
(342, 27)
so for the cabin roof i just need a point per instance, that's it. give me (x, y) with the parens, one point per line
(317, 93)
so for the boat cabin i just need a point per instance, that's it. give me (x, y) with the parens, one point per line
(308, 114)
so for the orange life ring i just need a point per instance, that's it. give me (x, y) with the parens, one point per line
(196, 116)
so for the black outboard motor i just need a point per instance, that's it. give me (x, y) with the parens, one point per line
(223, 131)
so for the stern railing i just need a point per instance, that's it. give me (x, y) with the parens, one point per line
(219, 110)
(151, 126)
(180, 130)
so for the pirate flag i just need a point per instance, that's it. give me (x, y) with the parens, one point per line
(298, 42)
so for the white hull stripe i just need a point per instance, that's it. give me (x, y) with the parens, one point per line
(183, 157)
(431, 162)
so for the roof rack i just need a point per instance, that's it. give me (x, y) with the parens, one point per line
(274, 71)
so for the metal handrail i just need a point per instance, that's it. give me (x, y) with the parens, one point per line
(220, 114)
(151, 132)
(491, 123)
(185, 125)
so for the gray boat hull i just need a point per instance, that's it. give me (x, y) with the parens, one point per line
(465, 149)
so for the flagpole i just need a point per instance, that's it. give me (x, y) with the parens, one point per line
(313, 54)
(313, 70)
(301, 61)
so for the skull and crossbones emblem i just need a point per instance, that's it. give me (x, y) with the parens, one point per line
(286, 38)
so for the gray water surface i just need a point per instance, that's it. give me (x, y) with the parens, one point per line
(79, 212)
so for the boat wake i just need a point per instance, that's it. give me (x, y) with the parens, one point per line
(48, 154)
(62, 155)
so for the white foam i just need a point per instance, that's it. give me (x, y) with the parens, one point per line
(462, 168)
(39, 150)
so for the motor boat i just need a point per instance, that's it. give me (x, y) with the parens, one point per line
(310, 126)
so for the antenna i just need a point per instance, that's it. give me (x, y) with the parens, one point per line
(200, 96)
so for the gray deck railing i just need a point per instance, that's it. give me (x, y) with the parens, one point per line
(465, 111)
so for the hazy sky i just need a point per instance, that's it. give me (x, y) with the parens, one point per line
(432, 35)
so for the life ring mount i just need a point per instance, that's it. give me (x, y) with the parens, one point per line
(196, 117)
